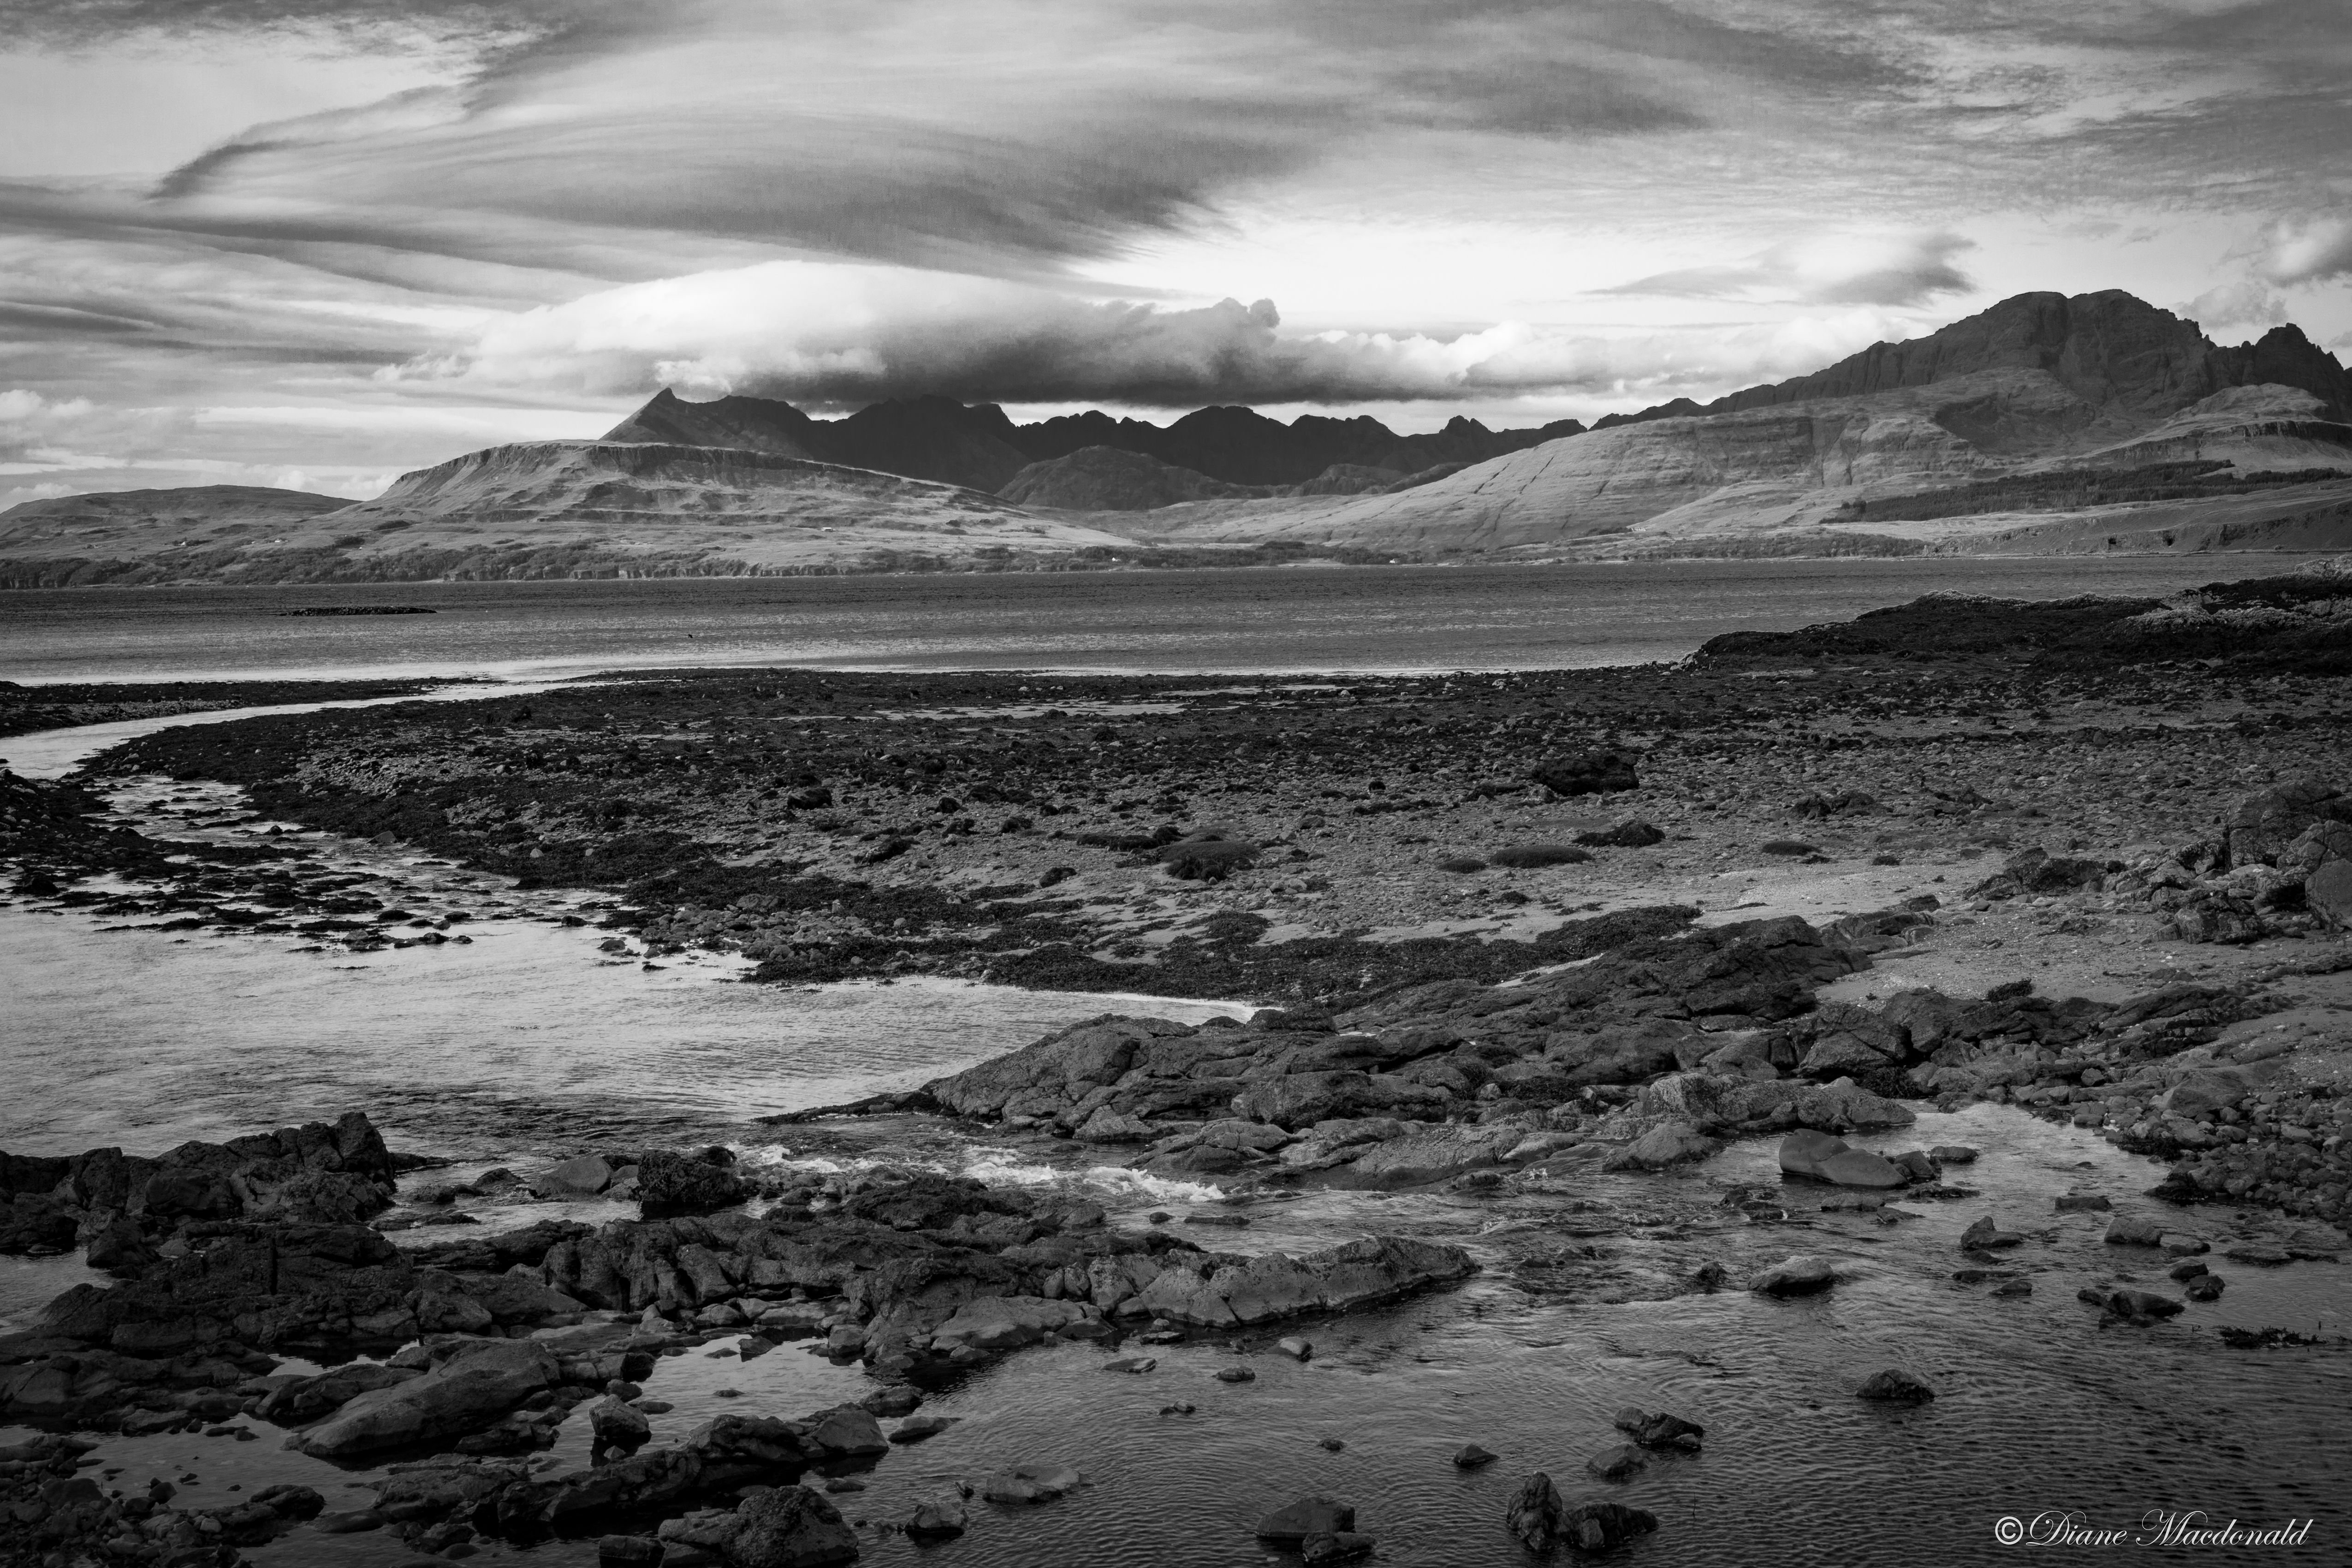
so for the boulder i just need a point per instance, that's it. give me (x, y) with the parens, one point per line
(1659, 1431)
(1800, 1276)
(1818, 1156)
(1848, 1038)
(583, 1175)
(1470, 1457)
(671, 1184)
(1220, 1291)
(1046, 1078)
(471, 1390)
(1843, 1106)
(1341, 1546)
(772, 1527)
(1587, 772)
(2202, 1091)
(1630, 833)
(2139, 1306)
(937, 1518)
(1437, 1154)
(1985, 1234)
(615, 1425)
(1534, 1513)
(1541, 1521)
(1668, 1144)
(302, 1400)
(1004, 1323)
(117, 1246)
(2132, 1230)
(1295, 1522)
(1622, 1463)
(2264, 823)
(1895, 1385)
(1029, 1483)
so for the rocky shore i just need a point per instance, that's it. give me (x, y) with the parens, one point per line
(1512, 937)
(27, 709)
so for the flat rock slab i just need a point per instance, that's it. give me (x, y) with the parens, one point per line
(1800, 1276)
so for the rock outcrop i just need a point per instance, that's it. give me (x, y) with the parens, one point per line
(316, 1174)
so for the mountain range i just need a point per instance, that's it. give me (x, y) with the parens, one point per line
(2089, 422)
(977, 445)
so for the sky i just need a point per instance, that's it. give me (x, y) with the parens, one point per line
(316, 243)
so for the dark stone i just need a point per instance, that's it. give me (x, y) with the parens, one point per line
(1295, 1522)
(671, 1184)
(1895, 1385)
(1587, 772)
(1659, 1431)
(1622, 1463)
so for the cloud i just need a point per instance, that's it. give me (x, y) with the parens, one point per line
(31, 424)
(2248, 303)
(834, 334)
(383, 24)
(1839, 270)
(2313, 250)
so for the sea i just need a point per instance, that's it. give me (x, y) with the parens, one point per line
(530, 1041)
(1300, 619)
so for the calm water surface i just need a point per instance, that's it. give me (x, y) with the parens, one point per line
(1273, 620)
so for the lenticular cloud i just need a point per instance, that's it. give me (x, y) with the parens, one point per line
(832, 333)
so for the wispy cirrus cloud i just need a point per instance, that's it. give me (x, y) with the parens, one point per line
(1906, 269)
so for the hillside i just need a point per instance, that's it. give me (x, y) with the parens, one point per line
(595, 510)
(42, 541)
(2038, 384)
